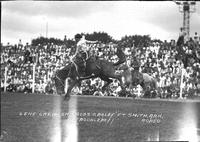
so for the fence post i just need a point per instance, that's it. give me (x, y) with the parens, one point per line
(138, 91)
(181, 83)
(5, 78)
(33, 83)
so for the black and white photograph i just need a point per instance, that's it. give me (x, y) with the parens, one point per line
(100, 71)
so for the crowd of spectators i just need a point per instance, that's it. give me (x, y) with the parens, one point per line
(158, 60)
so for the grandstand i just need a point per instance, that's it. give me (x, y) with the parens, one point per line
(157, 59)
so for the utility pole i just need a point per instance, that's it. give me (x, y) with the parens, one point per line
(46, 26)
(47, 29)
(186, 7)
(33, 80)
(5, 78)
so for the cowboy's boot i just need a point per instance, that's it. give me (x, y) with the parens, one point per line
(81, 71)
(84, 68)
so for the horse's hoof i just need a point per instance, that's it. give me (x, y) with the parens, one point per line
(66, 98)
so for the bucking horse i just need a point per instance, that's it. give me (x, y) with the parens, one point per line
(95, 67)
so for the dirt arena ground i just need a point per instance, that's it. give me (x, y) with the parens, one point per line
(47, 118)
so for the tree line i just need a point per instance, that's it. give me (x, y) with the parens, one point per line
(103, 37)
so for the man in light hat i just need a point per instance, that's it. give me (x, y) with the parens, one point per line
(81, 53)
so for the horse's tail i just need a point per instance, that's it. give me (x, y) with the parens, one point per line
(122, 57)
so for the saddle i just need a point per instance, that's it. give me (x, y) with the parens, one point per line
(80, 63)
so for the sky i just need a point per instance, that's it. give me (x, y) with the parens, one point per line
(31, 19)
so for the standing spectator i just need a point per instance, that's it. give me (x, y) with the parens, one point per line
(181, 38)
(15, 49)
(196, 38)
(135, 63)
(27, 56)
(20, 43)
(65, 39)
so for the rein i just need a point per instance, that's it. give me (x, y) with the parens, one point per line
(60, 80)
(72, 61)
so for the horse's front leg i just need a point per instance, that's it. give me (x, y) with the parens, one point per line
(108, 81)
(122, 82)
(69, 85)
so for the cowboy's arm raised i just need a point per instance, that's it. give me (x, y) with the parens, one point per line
(87, 41)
